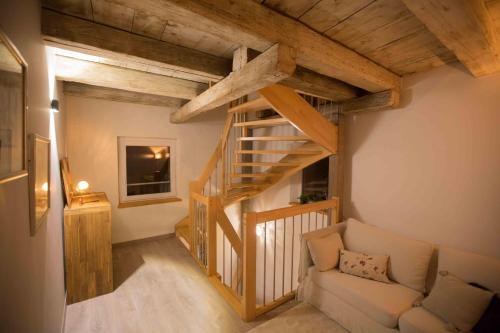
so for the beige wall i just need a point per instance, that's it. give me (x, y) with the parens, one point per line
(31, 274)
(431, 170)
(92, 130)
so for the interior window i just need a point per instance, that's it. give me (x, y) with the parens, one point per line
(146, 168)
(315, 179)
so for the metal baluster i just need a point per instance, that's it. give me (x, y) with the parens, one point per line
(284, 247)
(265, 257)
(231, 266)
(223, 258)
(274, 265)
(316, 213)
(293, 246)
(309, 222)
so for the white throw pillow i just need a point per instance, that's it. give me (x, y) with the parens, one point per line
(373, 267)
(457, 302)
(409, 259)
(325, 251)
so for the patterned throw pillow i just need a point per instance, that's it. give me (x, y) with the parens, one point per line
(372, 267)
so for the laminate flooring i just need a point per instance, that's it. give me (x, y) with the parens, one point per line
(158, 289)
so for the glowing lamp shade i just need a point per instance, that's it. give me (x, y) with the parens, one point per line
(158, 156)
(82, 186)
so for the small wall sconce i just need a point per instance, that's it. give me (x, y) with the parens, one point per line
(54, 105)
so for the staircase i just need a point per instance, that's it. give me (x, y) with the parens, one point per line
(264, 141)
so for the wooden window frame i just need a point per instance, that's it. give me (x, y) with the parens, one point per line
(145, 199)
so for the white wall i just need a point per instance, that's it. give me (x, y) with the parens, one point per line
(431, 169)
(32, 275)
(92, 130)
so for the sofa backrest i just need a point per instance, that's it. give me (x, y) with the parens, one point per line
(408, 258)
(471, 267)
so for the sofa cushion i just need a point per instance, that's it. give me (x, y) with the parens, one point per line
(325, 251)
(457, 302)
(471, 267)
(382, 302)
(409, 259)
(419, 320)
(373, 267)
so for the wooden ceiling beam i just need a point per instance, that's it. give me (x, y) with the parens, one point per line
(119, 95)
(87, 37)
(93, 73)
(75, 32)
(274, 65)
(465, 27)
(308, 82)
(373, 102)
(258, 27)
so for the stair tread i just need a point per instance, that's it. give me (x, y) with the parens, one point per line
(283, 164)
(263, 123)
(283, 152)
(258, 104)
(241, 194)
(254, 175)
(243, 185)
(275, 138)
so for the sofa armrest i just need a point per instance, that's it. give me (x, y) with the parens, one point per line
(305, 256)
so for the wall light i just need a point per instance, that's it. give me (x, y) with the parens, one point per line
(54, 105)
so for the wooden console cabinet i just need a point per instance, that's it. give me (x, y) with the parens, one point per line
(87, 247)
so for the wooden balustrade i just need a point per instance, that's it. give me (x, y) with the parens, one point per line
(272, 280)
(254, 286)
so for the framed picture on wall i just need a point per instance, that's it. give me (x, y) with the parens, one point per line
(39, 180)
(12, 112)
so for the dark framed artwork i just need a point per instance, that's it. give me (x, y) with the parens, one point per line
(13, 68)
(39, 180)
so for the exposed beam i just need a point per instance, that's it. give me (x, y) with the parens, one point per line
(372, 102)
(311, 83)
(86, 35)
(119, 95)
(302, 115)
(258, 27)
(272, 66)
(465, 27)
(76, 70)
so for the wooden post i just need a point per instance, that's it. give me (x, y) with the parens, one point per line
(249, 266)
(338, 179)
(194, 186)
(212, 236)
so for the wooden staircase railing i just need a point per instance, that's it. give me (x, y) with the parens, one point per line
(252, 286)
(255, 269)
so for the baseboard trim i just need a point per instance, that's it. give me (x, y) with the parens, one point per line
(143, 240)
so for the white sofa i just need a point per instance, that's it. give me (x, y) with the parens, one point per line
(367, 306)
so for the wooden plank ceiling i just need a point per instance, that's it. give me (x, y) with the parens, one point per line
(386, 32)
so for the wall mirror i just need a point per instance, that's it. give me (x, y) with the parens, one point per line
(39, 180)
(12, 112)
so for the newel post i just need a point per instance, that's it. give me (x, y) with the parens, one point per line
(212, 236)
(194, 186)
(249, 266)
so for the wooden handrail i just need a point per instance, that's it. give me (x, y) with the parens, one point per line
(228, 229)
(281, 213)
(217, 154)
(199, 197)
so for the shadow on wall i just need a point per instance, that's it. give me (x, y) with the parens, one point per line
(354, 143)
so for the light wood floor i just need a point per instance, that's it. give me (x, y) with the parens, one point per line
(158, 288)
